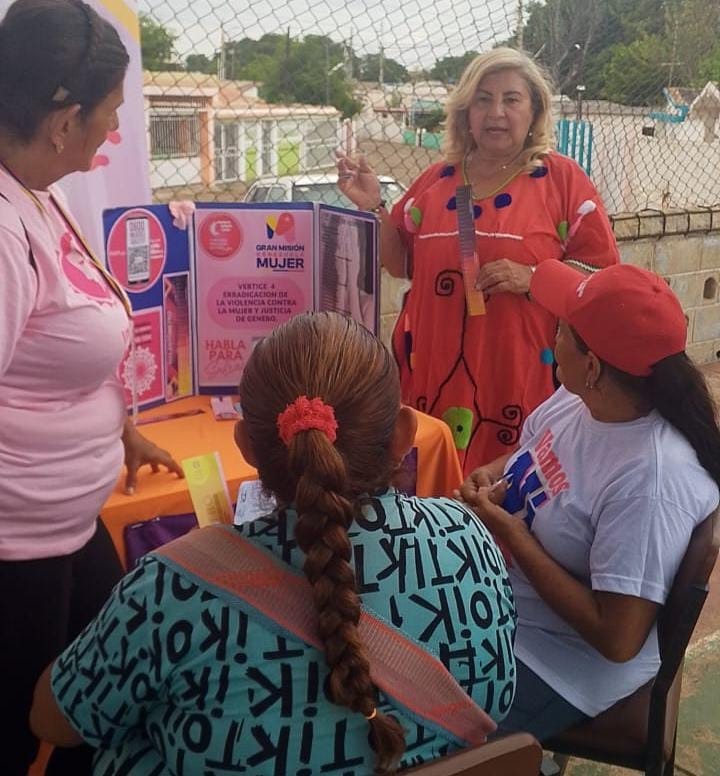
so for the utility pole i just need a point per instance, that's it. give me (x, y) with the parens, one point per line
(221, 63)
(520, 25)
(673, 57)
(381, 74)
(327, 73)
(286, 74)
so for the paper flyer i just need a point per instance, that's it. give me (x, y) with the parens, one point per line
(208, 489)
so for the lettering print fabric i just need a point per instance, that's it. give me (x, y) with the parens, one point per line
(171, 680)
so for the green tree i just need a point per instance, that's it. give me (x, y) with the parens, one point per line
(637, 72)
(157, 44)
(256, 60)
(574, 39)
(430, 121)
(449, 69)
(199, 63)
(709, 69)
(311, 71)
(393, 71)
(693, 29)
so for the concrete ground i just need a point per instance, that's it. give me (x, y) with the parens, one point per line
(698, 752)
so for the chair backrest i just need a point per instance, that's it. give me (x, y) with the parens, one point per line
(676, 623)
(690, 583)
(516, 755)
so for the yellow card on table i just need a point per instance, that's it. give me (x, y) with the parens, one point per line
(208, 489)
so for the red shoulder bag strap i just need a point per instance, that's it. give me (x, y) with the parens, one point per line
(402, 669)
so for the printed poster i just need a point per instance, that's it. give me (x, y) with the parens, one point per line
(150, 258)
(253, 271)
(347, 267)
(203, 298)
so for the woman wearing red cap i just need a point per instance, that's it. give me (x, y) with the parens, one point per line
(596, 507)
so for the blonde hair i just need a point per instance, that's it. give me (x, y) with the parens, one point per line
(459, 141)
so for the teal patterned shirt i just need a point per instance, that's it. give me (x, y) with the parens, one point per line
(169, 679)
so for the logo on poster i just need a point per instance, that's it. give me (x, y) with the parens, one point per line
(221, 235)
(283, 255)
(282, 226)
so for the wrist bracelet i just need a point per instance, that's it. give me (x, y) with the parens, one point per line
(380, 206)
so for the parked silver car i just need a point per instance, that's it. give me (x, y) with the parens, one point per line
(316, 187)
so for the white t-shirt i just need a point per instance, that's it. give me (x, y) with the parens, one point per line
(614, 504)
(63, 333)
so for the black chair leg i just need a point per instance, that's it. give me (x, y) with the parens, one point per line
(670, 764)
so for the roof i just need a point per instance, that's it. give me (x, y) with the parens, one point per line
(681, 95)
(707, 101)
(229, 98)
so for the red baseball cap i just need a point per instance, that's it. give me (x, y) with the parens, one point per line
(627, 316)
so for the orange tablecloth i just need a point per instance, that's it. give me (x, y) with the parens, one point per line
(164, 494)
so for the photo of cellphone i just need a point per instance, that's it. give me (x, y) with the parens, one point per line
(137, 235)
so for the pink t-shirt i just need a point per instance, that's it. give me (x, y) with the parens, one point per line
(63, 333)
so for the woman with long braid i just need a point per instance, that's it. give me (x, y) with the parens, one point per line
(174, 676)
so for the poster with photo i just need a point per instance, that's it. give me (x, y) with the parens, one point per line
(178, 336)
(203, 297)
(347, 269)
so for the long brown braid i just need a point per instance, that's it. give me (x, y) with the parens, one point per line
(329, 356)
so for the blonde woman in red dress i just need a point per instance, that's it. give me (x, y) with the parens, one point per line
(484, 374)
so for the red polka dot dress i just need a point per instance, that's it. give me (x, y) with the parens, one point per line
(483, 374)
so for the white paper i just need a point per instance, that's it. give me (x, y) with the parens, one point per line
(252, 502)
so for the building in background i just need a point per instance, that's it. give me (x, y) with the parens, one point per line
(204, 131)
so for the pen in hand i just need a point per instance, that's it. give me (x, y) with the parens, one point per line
(506, 479)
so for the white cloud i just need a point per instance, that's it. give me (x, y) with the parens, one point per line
(414, 32)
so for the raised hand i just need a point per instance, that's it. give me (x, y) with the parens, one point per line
(358, 181)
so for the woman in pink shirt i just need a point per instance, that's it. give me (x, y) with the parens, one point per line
(64, 328)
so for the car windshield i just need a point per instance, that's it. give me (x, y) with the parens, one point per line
(329, 194)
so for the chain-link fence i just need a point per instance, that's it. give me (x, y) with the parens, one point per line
(251, 100)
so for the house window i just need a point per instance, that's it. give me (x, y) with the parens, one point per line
(321, 140)
(173, 136)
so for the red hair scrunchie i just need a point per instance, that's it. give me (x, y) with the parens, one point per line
(304, 414)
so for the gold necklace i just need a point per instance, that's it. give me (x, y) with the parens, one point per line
(467, 181)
